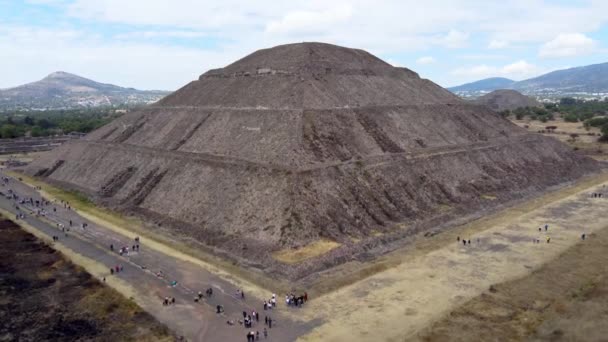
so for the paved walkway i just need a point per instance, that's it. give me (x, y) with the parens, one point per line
(194, 321)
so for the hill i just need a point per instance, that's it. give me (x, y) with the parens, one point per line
(586, 81)
(488, 84)
(589, 79)
(304, 156)
(62, 90)
(503, 99)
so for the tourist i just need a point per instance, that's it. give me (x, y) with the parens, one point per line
(583, 236)
(265, 333)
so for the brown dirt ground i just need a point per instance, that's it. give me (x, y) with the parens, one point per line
(565, 300)
(44, 297)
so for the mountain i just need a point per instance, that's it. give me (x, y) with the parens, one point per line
(502, 99)
(306, 143)
(62, 90)
(585, 81)
(487, 84)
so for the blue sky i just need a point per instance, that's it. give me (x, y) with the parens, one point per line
(153, 44)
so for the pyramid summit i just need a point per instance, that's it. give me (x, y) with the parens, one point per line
(309, 75)
(306, 143)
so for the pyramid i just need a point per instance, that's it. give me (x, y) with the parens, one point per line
(306, 143)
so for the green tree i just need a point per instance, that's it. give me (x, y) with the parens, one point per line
(28, 120)
(604, 136)
(567, 101)
(38, 131)
(44, 123)
(8, 131)
(571, 118)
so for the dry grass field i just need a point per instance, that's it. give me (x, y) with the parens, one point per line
(586, 142)
(565, 300)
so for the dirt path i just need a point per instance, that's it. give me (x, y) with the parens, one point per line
(90, 248)
(398, 303)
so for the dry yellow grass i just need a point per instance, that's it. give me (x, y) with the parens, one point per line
(317, 248)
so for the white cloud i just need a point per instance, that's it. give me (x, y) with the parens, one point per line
(498, 44)
(454, 39)
(517, 70)
(237, 27)
(425, 60)
(484, 57)
(567, 45)
(299, 22)
(161, 34)
(125, 63)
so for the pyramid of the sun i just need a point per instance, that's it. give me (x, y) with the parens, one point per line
(303, 142)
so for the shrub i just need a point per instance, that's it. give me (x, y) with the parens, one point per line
(571, 118)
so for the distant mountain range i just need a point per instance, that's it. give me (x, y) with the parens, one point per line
(580, 81)
(62, 90)
(487, 84)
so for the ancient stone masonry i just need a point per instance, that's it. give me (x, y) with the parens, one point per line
(45, 172)
(303, 142)
(117, 182)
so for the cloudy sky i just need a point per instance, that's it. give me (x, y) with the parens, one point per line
(163, 44)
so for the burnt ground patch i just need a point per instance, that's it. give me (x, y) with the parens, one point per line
(44, 297)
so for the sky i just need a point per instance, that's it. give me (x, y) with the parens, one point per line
(164, 44)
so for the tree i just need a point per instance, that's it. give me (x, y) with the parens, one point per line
(571, 118)
(567, 101)
(28, 120)
(8, 131)
(44, 123)
(604, 136)
(573, 136)
(37, 131)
